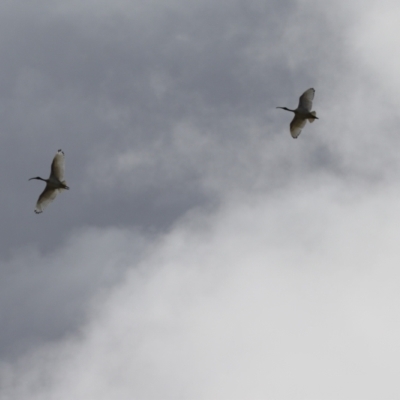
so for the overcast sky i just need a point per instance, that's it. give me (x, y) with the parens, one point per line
(201, 252)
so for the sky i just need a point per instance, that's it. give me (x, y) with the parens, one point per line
(201, 252)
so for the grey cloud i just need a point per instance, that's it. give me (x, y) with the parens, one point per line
(165, 111)
(97, 84)
(44, 297)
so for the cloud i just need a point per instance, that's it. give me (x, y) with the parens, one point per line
(44, 296)
(289, 296)
(201, 252)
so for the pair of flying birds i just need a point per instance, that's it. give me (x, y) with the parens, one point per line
(56, 183)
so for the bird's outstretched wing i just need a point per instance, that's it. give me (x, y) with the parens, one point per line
(305, 101)
(58, 166)
(296, 126)
(47, 196)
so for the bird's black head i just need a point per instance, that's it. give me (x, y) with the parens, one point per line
(36, 177)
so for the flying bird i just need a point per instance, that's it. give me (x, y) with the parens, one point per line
(54, 185)
(302, 113)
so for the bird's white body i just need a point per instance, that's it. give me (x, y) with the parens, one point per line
(302, 113)
(54, 184)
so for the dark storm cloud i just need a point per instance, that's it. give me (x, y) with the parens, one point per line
(95, 84)
(164, 82)
(122, 78)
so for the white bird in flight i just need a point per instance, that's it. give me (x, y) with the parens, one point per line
(54, 185)
(302, 113)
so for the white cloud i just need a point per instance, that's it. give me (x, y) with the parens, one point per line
(285, 296)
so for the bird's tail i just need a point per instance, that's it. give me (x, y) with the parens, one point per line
(312, 119)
